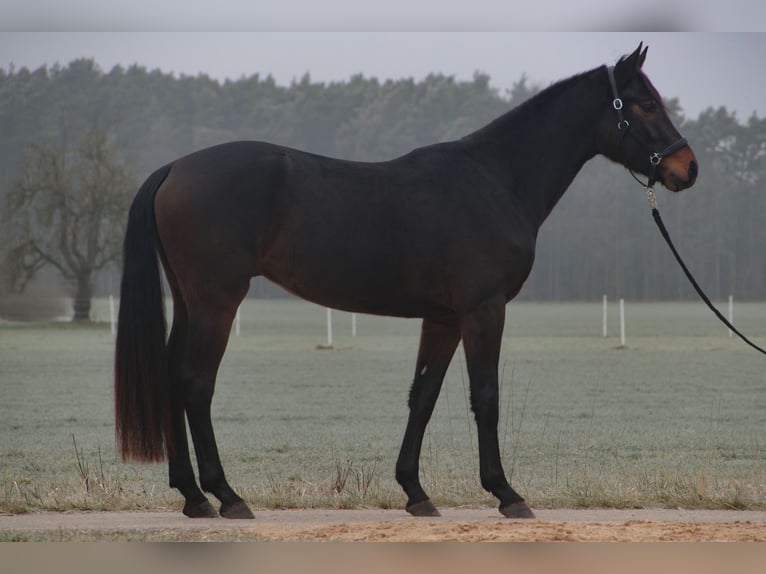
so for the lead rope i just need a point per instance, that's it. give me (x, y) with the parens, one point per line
(689, 276)
(654, 160)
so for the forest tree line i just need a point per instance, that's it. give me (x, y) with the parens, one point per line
(599, 240)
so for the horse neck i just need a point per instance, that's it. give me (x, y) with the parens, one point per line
(537, 149)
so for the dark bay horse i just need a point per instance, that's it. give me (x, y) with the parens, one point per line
(445, 233)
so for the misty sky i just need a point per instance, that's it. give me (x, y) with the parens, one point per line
(289, 38)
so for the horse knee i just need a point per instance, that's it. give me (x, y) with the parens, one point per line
(417, 393)
(423, 394)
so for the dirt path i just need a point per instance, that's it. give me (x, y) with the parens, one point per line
(483, 524)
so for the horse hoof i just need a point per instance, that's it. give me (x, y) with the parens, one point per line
(238, 510)
(423, 508)
(200, 510)
(517, 510)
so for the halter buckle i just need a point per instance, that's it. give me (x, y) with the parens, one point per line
(617, 103)
(655, 159)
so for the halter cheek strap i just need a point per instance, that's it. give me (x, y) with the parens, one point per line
(624, 127)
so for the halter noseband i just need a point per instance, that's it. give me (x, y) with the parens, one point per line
(623, 126)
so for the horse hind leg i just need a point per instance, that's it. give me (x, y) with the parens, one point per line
(209, 326)
(438, 341)
(181, 473)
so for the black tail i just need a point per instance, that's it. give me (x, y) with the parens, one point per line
(141, 382)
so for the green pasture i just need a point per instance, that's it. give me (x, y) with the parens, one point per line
(676, 418)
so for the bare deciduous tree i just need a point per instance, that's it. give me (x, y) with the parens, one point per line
(67, 209)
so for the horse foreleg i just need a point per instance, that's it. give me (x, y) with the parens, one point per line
(208, 335)
(438, 340)
(482, 332)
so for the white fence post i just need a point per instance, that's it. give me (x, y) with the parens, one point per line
(237, 319)
(112, 317)
(353, 324)
(622, 322)
(329, 327)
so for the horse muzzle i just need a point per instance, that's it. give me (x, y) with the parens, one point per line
(679, 170)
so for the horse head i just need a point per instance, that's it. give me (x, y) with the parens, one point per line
(636, 129)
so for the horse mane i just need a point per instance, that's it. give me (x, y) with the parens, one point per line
(552, 92)
(529, 107)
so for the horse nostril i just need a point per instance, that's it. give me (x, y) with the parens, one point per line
(693, 170)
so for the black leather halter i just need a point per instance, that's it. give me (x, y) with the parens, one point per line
(624, 126)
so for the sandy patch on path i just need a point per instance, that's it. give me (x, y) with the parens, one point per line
(469, 525)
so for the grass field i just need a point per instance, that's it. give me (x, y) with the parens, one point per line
(674, 419)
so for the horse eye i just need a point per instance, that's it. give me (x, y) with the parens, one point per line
(649, 106)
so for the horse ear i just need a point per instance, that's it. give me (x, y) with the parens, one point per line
(627, 66)
(642, 57)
